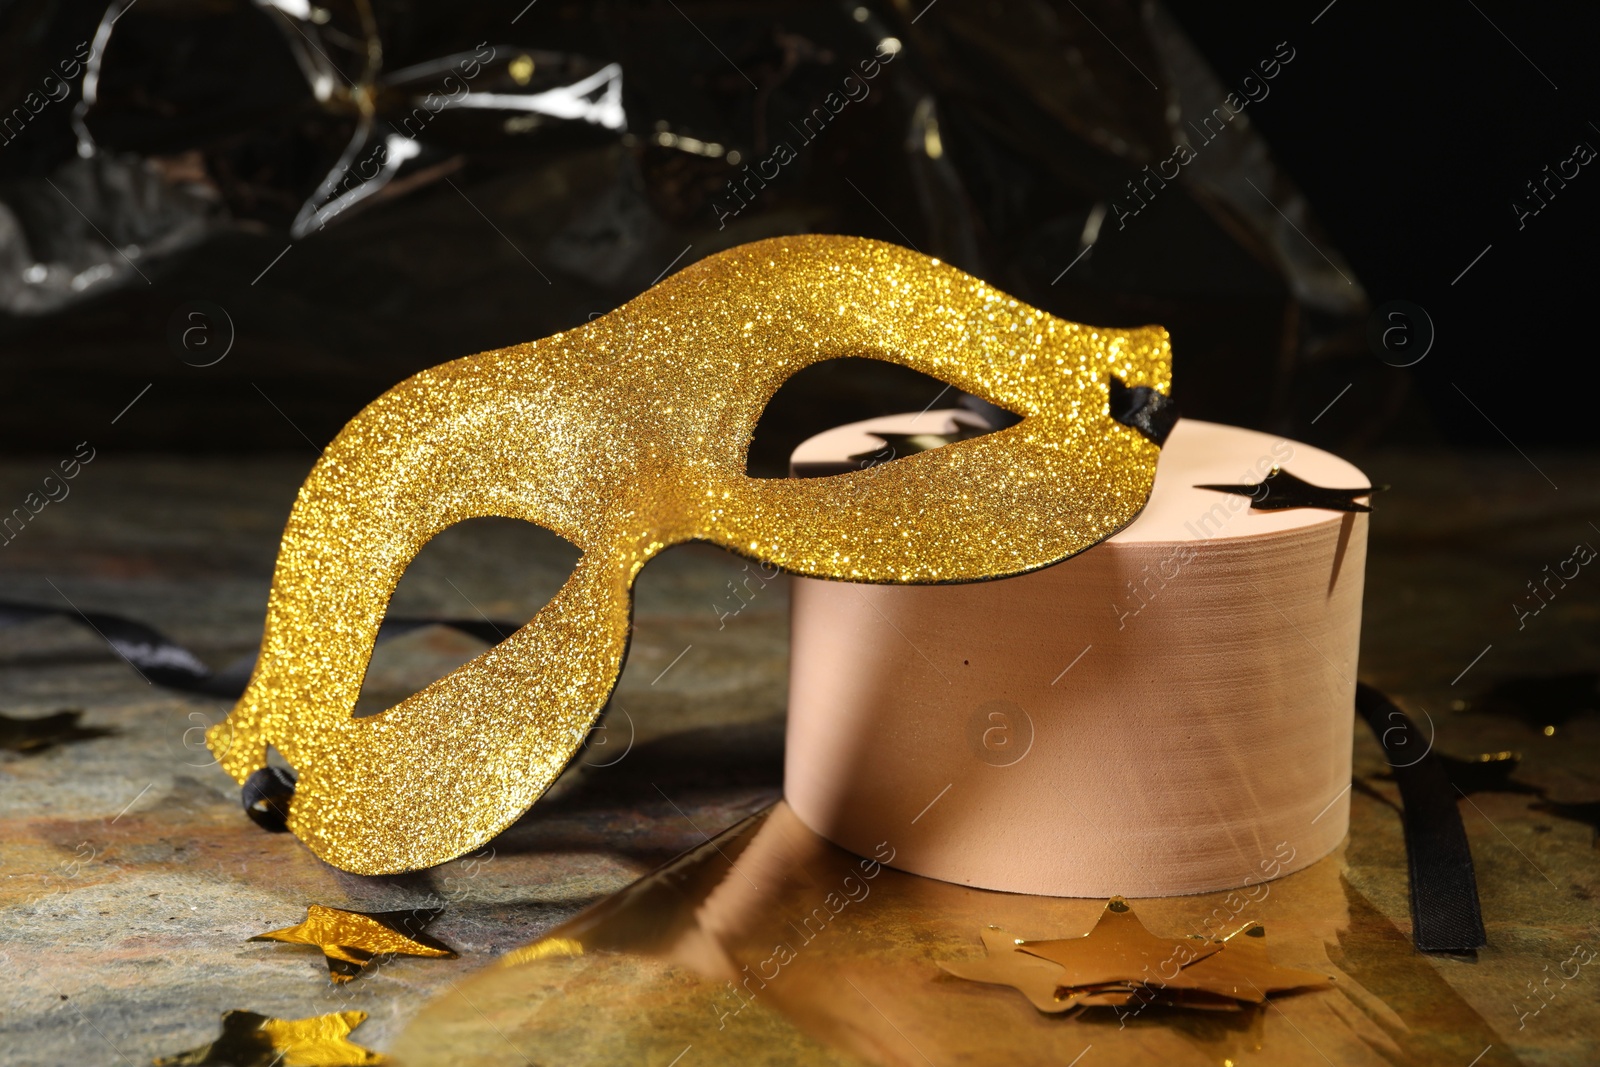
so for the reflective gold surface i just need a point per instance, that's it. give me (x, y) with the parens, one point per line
(626, 436)
(769, 945)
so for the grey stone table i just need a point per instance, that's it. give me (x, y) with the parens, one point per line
(130, 881)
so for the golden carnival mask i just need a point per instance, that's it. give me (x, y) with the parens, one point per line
(628, 435)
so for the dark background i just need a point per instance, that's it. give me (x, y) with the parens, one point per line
(1409, 132)
(1412, 129)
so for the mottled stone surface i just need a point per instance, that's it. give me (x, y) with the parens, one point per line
(130, 881)
(129, 878)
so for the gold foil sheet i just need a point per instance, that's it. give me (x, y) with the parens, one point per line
(769, 945)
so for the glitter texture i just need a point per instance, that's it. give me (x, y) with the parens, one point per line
(628, 435)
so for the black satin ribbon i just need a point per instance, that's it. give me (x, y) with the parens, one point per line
(266, 795)
(1140, 407)
(162, 661)
(1445, 913)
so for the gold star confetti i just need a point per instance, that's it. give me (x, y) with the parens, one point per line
(1120, 949)
(1006, 964)
(1120, 962)
(1243, 971)
(351, 939)
(252, 1040)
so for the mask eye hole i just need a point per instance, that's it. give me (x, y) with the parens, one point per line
(849, 389)
(497, 573)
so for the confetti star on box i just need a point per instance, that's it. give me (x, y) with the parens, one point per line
(351, 939)
(909, 444)
(1280, 490)
(249, 1039)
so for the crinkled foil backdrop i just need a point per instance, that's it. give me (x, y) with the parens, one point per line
(289, 159)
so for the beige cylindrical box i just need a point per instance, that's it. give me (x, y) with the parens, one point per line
(1169, 712)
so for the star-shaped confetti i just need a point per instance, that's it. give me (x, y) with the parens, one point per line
(1119, 949)
(351, 939)
(252, 1040)
(1006, 964)
(1280, 490)
(1241, 970)
(34, 735)
(909, 444)
(1120, 962)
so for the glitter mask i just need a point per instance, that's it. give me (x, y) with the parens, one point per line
(628, 435)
